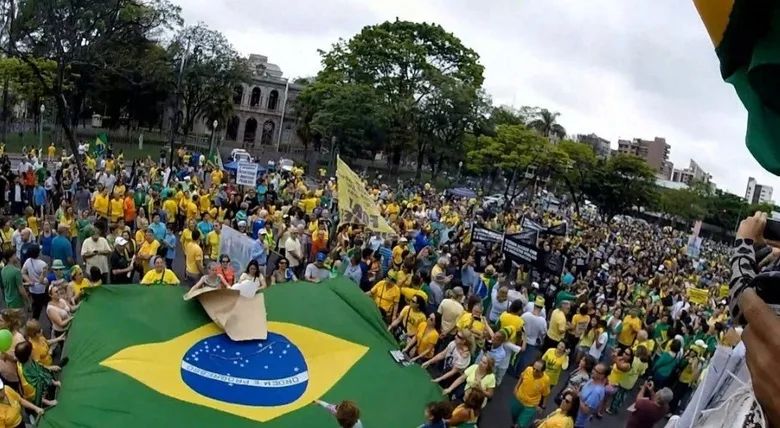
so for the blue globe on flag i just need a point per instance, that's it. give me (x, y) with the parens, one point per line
(269, 372)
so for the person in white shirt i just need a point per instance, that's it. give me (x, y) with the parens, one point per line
(293, 250)
(679, 306)
(95, 252)
(600, 344)
(450, 309)
(535, 327)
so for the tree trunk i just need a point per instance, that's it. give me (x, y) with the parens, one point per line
(420, 160)
(508, 185)
(61, 108)
(395, 161)
(4, 124)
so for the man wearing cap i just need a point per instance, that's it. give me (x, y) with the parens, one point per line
(535, 328)
(121, 262)
(260, 250)
(316, 271)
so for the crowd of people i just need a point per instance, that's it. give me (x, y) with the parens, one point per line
(618, 318)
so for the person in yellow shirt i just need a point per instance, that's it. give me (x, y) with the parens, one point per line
(117, 209)
(423, 344)
(643, 340)
(51, 152)
(212, 241)
(386, 295)
(160, 274)
(193, 258)
(580, 322)
(216, 176)
(410, 316)
(11, 404)
(42, 349)
(630, 327)
(556, 361)
(148, 250)
(398, 251)
(204, 202)
(531, 391)
(392, 210)
(32, 220)
(101, 202)
(171, 208)
(77, 280)
(191, 208)
(512, 318)
(473, 320)
(110, 165)
(558, 327)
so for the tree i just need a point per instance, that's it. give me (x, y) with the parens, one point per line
(580, 169)
(355, 116)
(443, 120)
(405, 62)
(681, 204)
(211, 71)
(621, 184)
(546, 123)
(78, 33)
(21, 85)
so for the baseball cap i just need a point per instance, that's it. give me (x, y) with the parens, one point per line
(120, 241)
(321, 257)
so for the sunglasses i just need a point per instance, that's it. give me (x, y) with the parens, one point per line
(225, 261)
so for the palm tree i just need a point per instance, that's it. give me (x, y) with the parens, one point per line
(547, 125)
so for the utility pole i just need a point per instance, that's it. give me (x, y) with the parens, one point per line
(175, 120)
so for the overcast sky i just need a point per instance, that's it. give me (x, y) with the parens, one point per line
(619, 69)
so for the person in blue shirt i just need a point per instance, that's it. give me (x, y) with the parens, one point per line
(204, 226)
(157, 227)
(61, 248)
(591, 395)
(422, 240)
(169, 241)
(259, 252)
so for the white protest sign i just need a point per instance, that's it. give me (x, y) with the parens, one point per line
(246, 174)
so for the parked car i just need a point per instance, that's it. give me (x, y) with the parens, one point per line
(240, 155)
(497, 199)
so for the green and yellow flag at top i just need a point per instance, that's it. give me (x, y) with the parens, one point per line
(746, 35)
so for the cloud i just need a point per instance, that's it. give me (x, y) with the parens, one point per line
(619, 69)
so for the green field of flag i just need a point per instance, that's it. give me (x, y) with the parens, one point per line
(142, 356)
(746, 35)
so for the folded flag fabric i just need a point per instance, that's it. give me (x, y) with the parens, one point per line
(746, 35)
(142, 356)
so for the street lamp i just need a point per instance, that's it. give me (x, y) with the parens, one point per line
(460, 165)
(213, 136)
(40, 129)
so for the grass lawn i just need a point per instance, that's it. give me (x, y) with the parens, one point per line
(14, 143)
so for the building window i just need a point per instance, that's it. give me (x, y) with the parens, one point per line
(238, 95)
(254, 100)
(250, 131)
(232, 129)
(273, 100)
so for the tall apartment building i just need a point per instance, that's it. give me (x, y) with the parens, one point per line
(757, 193)
(693, 172)
(655, 152)
(600, 145)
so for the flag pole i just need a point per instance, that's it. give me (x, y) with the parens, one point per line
(281, 121)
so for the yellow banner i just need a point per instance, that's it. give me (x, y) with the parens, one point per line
(355, 204)
(698, 296)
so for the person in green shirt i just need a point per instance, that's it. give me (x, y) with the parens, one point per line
(661, 328)
(16, 296)
(664, 364)
(564, 295)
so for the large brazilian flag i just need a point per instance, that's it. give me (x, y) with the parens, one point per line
(746, 35)
(144, 357)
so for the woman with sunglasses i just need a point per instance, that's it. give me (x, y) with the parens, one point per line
(565, 415)
(456, 356)
(226, 270)
(253, 274)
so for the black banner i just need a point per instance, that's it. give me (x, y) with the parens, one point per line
(485, 235)
(518, 250)
(528, 236)
(528, 224)
(561, 229)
